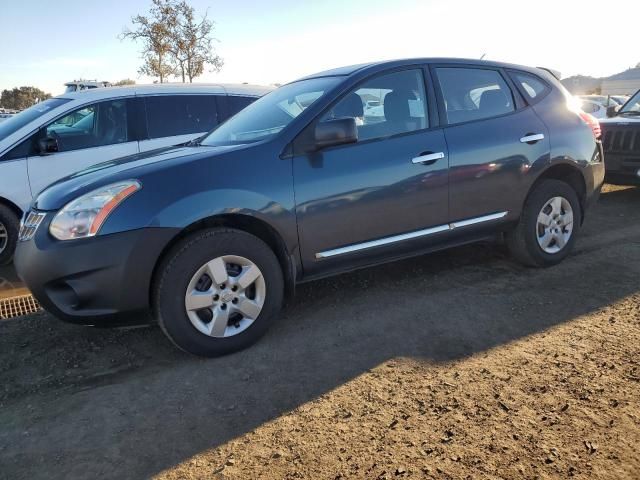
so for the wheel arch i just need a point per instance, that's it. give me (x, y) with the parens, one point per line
(569, 174)
(249, 224)
(12, 206)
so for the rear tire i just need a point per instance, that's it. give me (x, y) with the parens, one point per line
(217, 291)
(9, 225)
(548, 226)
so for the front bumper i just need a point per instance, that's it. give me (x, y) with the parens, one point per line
(103, 281)
(622, 169)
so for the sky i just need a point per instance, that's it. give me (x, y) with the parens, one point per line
(45, 43)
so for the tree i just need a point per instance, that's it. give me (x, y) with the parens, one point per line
(155, 33)
(21, 98)
(191, 43)
(174, 42)
(123, 82)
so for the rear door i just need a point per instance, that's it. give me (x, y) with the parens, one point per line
(86, 136)
(175, 119)
(493, 136)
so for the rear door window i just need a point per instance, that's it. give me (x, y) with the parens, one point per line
(171, 115)
(474, 94)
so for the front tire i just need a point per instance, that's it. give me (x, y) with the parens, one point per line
(9, 225)
(218, 291)
(548, 226)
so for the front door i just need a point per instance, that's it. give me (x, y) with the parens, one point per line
(84, 137)
(383, 194)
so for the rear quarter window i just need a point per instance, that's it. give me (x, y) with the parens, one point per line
(532, 87)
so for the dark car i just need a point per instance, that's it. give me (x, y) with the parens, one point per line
(621, 141)
(210, 236)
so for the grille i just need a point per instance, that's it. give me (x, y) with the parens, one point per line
(29, 225)
(18, 306)
(622, 140)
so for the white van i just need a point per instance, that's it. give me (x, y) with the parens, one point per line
(65, 134)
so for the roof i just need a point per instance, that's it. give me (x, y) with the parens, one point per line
(631, 74)
(164, 88)
(351, 69)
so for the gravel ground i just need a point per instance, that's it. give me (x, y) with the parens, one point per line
(460, 364)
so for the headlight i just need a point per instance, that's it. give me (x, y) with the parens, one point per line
(84, 216)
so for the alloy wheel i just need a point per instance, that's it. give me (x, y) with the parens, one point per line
(554, 225)
(4, 237)
(225, 296)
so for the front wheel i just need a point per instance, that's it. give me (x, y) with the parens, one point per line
(548, 225)
(218, 291)
(9, 225)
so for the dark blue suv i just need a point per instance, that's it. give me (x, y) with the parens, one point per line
(336, 171)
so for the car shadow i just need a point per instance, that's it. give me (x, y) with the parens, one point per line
(100, 394)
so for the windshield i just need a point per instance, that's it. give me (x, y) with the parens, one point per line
(632, 105)
(266, 117)
(16, 122)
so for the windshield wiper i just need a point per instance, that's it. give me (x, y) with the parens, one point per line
(630, 112)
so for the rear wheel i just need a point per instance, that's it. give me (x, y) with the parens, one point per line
(548, 225)
(9, 225)
(218, 291)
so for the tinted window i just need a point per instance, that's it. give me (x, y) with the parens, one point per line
(16, 122)
(386, 105)
(96, 125)
(180, 114)
(532, 86)
(237, 103)
(474, 94)
(23, 149)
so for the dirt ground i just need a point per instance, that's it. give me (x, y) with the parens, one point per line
(460, 364)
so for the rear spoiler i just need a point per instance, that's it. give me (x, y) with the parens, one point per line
(553, 72)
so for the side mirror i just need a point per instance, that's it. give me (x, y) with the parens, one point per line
(48, 145)
(335, 132)
(612, 111)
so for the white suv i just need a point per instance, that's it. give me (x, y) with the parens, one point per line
(69, 133)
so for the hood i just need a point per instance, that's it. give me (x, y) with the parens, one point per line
(621, 120)
(135, 166)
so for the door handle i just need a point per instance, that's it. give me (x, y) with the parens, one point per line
(532, 138)
(428, 158)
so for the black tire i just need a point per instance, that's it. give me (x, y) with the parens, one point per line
(522, 241)
(10, 224)
(183, 261)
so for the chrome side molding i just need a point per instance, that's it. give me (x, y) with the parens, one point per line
(408, 236)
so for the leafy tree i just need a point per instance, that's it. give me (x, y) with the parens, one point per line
(154, 31)
(21, 98)
(191, 43)
(123, 82)
(174, 41)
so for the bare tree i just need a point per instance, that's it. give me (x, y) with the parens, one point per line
(154, 31)
(192, 43)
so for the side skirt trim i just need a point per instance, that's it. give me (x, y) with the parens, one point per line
(408, 236)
